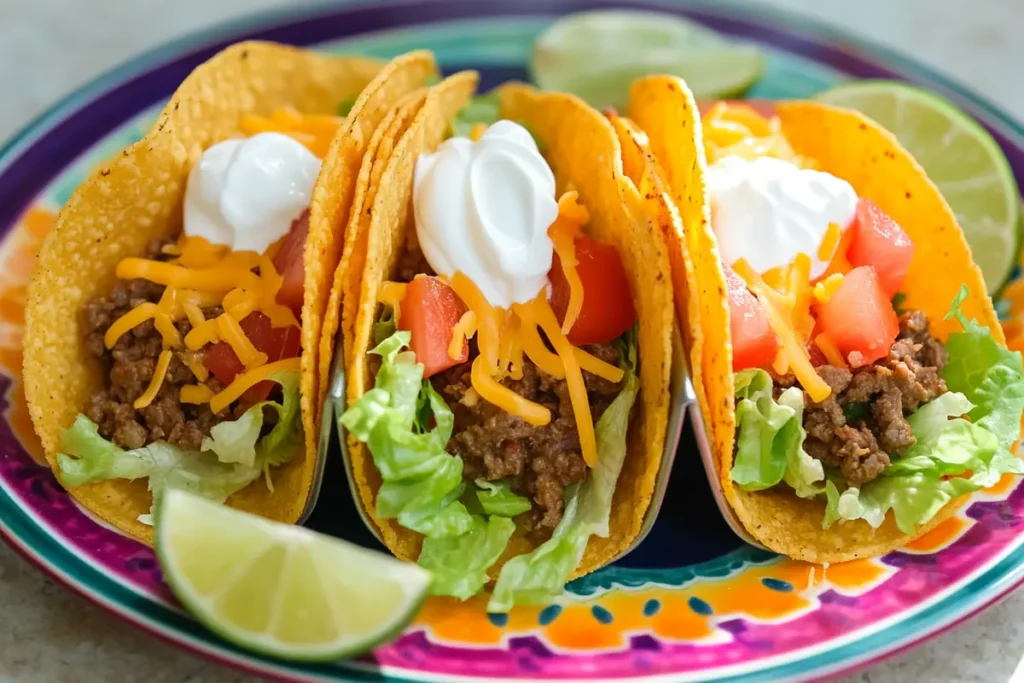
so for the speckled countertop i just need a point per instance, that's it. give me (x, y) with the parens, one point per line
(49, 47)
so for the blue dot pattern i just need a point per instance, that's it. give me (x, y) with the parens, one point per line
(601, 614)
(778, 585)
(549, 614)
(499, 620)
(652, 607)
(700, 607)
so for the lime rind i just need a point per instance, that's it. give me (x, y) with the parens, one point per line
(979, 186)
(179, 511)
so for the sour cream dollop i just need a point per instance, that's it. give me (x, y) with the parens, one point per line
(245, 193)
(767, 211)
(483, 209)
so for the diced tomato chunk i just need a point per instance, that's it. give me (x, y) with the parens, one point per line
(430, 310)
(607, 309)
(859, 318)
(288, 262)
(878, 241)
(277, 342)
(754, 344)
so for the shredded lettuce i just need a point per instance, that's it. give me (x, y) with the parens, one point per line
(496, 498)
(231, 458)
(770, 436)
(540, 576)
(406, 426)
(421, 482)
(952, 456)
(484, 110)
(459, 563)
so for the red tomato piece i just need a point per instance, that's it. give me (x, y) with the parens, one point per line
(284, 342)
(288, 262)
(430, 310)
(754, 344)
(859, 318)
(278, 343)
(878, 241)
(607, 309)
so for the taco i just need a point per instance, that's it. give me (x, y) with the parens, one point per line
(856, 383)
(174, 313)
(509, 371)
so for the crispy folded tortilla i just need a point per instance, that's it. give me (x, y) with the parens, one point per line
(137, 197)
(849, 146)
(582, 148)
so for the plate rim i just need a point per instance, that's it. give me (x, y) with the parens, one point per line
(999, 581)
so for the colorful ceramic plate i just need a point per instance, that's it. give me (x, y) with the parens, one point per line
(691, 602)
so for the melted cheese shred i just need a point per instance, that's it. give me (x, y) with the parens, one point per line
(573, 378)
(461, 333)
(502, 337)
(830, 351)
(789, 317)
(563, 233)
(201, 276)
(314, 131)
(196, 394)
(737, 129)
(162, 363)
(248, 379)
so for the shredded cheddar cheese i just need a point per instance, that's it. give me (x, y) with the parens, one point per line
(315, 132)
(824, 290)
(201, 276)
(830, 351)
(127, 322)
(789, 317)
(196, 393)
(155, 381)
(391, 294)
(573, 378)
(248, 379)
(193, 363)
(737, 129)
(829, 242)
(461, 333)
(231, 332)
(563, 232)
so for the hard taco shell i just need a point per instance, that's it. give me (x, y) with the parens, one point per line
(855, 148)
(582, 149)
(136, 197)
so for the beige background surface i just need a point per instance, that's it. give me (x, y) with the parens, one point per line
(48, 47)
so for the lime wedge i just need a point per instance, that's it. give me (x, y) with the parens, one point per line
(282, 590)
(596, 55)
(959, 156)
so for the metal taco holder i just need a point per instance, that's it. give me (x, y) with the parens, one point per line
(683, 406)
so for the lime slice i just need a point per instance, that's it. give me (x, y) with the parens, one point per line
(282, 590)
(596, 55)
(959, 156)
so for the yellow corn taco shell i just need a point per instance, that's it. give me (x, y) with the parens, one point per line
(582, 149)
(334, 208)
(137, 197)
(855, 148)
(341, 310)
(391, 219)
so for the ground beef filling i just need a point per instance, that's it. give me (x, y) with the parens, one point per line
(863, 420)
(540, 460)
(129, 367)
